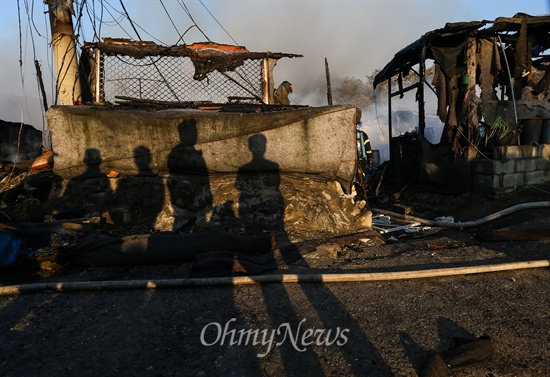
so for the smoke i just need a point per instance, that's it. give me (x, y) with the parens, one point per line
(356, 37)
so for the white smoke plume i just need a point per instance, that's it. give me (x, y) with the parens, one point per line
(356, 37)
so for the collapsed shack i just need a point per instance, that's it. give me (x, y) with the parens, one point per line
(481, 74)
(189, 139)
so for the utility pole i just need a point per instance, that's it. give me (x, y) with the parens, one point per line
(68, 89)
(329, 87)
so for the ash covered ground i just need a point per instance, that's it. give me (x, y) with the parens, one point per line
(381, 328)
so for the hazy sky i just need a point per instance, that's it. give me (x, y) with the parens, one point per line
(357, 37)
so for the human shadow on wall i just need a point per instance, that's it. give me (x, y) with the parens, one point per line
(141, 195)
(189, 184)
(89, 192)
(261, 204)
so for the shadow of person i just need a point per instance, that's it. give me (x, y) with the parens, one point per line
(189, 184)
(458, 349)
(138, 198)
(261, 208)
(261, 205)
(414, 352)
(90, 192)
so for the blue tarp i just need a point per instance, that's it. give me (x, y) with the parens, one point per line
(10, 247)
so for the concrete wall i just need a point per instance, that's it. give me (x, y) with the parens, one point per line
(512, 166)
(317, 142)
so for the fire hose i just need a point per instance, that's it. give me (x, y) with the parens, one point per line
(265, 279)
(467, 224)
(297, 278)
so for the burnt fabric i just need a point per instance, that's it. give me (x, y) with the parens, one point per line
(440, 83)
(451, 59)
(488, 67)
(451, 62)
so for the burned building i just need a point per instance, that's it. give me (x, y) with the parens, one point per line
(193, 133)
(490, 79)
(19, 142)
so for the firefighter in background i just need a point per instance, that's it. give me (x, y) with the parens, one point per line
(365, 150)
(364, 168)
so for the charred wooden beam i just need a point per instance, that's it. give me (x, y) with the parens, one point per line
(405, 90)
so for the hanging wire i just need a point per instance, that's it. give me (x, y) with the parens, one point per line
(172, 21)
(32, 21)
(40, 87)
(186, 10)
(154, 64)
(49, 54)
(130, 20)
(117, 21)
(21, 70)
(215, 19)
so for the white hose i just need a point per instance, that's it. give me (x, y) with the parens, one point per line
(263, 279)
(467, 224)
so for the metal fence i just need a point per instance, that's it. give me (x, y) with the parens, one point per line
(166, 78)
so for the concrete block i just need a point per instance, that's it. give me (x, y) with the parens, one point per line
(534, 177)
(542, 163)
(525, 165)
(508, 152)
(482, 166)
(512, 180)
(547, 176)
(490, 167)
(505, 167)
(530, 151)
(545, 150)
(487, 181)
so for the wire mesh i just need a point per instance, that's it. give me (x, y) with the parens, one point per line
(168, 78)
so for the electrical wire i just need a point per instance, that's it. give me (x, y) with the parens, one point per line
(186, 10)
(215, 19)
(130, 20)
(172, 21)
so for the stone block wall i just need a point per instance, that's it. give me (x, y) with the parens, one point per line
(512, 166)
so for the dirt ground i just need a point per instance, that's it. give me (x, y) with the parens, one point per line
(384, 328)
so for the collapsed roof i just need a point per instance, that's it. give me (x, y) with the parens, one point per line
(482, 70)
(455, 34)
(207, 57)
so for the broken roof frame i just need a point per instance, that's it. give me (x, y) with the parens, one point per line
(520, 33)
(206, 57)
